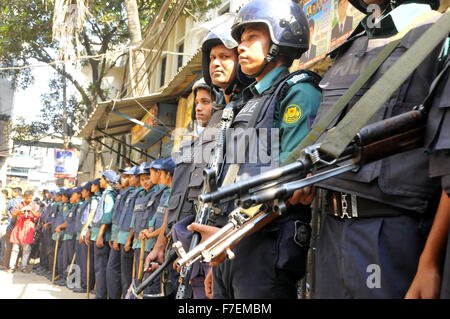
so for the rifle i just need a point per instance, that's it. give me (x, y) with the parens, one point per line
(375, 141)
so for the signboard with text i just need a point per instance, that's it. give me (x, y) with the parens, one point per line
(66, 163)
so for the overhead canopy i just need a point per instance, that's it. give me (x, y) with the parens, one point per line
(117, 117)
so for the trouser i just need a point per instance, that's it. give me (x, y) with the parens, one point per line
(113, 275)
(58, 266)
(268, 263)
(83, 264)
(26, 251)
(126, 267)
(8, 249)
(445, 284)
(3, 229)
(45, 248)
(368, 257)
(252, 273)
(198, 283)
(100, 263)
(68, 251)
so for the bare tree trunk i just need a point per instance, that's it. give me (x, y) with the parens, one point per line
(138, 80)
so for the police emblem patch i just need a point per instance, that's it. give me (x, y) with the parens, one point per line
(292, 114)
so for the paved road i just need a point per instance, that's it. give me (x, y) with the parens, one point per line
(19, 285)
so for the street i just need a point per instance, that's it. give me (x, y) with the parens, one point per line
(20, 285)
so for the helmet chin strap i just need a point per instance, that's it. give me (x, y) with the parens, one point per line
(272, 56)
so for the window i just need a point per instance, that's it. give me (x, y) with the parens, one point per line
(180, 57)
(163, 71)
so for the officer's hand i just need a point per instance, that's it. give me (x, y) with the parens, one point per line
(209, 284)
(57, 230)
(144, 234)
(150, 265)
(81, 240)
(426, 283)
(99, 243)
(175, 266)
(154, 258)
(206, 232)
(303, 195)
(110, 243)
(116, 245)
(127, 246)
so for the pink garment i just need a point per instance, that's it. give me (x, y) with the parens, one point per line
(23, 231)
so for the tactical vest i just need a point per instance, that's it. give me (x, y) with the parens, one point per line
(127, 214)
(57, 216)
(71, 219)
(82, 213)
(45, 213)
(401, 180)
(97, 220)
(187, 181)
(258, 156)
(119, 204)
(160, 211)
(145, 208)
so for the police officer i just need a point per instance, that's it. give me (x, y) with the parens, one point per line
(377, 219)
(70, 241)
(44, 229)
(188, 177)
(157, 223)
(268, 263)
(101, 230)
(141, 212)
(113, 271)
(58, 219)
(80, 245)
(68, 246)
(125, 236)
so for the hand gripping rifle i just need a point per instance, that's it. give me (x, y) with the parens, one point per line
(373, 142)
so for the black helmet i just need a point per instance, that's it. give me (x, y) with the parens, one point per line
(362, 6)
(217, 38)
(287, 23)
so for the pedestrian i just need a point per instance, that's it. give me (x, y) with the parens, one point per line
(16, 199)
(26, 215)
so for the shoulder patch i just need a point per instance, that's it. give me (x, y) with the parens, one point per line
(297, 78)
(292, 114)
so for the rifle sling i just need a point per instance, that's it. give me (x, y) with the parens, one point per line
(336, 141)
(318, 129)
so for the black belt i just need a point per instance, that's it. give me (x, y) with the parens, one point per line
(345, 205)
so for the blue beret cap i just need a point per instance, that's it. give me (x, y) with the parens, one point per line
(168, 165)
(96, 181)
(109, 175)
(87, 186)
(156, 164)
(77, 190)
